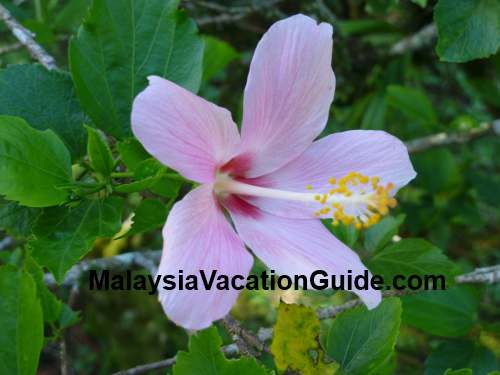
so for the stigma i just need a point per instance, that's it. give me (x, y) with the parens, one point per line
(354, 199)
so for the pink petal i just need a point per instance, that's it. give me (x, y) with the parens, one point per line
(299, 247)
(370, 152)
(182, 130)
(197, 237)
(288, 93)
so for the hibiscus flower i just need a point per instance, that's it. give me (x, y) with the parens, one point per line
(273, 182)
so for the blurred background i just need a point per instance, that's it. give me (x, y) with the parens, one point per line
(389, 77)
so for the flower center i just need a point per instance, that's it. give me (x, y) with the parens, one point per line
(353, 199)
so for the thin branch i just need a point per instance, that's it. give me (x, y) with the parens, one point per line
(10, 48)
(422, 38)
(25, 37)
(442, 139)
(234, 14)
(229, 351)
(247, 342)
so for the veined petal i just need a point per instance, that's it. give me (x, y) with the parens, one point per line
(198, 237)
(299, 247)
(370, 152)
(288, 93)
(182, 130)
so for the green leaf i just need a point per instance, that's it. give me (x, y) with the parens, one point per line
(218, 54)
(51, 306)
(437, 170)
(99, 153)
(119, 45)
(463, 371)
(149, 215)
(32, 164)
(17, 220)
(46, 100)
(374, 116)
(132, 153)
(205, 358)
(21, 320)
(459, 354)
(412, 103)
(64, 235)
(380, 234)
(410, 257)
(467, 29)
(345, 233)
(363, 341)
(449, 313)
(295, 338)
(421, 3)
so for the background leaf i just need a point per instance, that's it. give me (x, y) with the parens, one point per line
(149, 215)
(449, 313)
(32, 164)
(64, 235)
(99, 153)
(458, 354)
(362, 341)
(204, 357)
(467, 29)
(119, 45)
(295, 341)
(21, 321)
(46, 100)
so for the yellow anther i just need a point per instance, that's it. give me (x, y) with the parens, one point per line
(356, 200)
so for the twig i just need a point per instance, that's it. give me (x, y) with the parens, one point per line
(229, 351)
(422, 38)
(234, 14)
(25, 37)
(247, 342)
(442, 139)
(10, 48)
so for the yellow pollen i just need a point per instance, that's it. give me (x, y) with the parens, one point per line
(355, 199)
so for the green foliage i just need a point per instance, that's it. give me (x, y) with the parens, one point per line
(32, 164)
(449, 313)
(101, 159)
(119, 45)
(413, 103)
(410, 257)
(21, 321)
(362, 341)
(205, 358)
(381, 233)
(64, 235)
(17, 220)
(437, 170)
(467, 29)
(149, 215)
(46, 100)
(295, 341)
(459, 354)
(51, 306)
(218, 54)
(132, 153)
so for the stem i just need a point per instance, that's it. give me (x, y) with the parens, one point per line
(122, 174)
